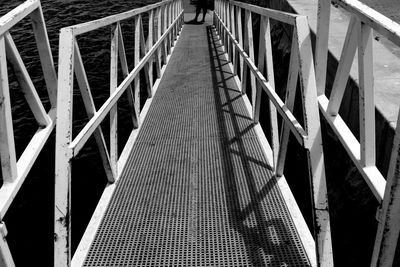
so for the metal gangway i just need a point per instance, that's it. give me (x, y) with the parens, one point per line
(198, 182)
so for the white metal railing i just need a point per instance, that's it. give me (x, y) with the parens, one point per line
(15, 171)
(240, 49)
(165, 22)
(359, 37)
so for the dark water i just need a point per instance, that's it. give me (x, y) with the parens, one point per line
(30, 218)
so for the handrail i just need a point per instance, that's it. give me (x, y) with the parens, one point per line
(106, 21)
(281, 16)
(359, 36)
(14, 172)
(165, 23)
(228, 21)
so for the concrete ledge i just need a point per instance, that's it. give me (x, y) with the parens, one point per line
(386, 57)
(386, 74)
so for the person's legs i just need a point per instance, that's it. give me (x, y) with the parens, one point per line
(198, 9)
(204, 7)
(204, 13)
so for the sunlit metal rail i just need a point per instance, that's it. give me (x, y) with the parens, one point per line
(362, 149)
(15, 171)
(169, 17)
(165, 23)
(301, 67)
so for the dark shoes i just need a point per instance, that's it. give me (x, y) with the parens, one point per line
(194, 21)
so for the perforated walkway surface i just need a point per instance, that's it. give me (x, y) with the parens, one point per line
(196, 190)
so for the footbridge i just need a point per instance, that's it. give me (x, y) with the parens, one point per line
(199, 181)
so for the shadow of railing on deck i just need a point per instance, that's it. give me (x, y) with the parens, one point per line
(262, 248)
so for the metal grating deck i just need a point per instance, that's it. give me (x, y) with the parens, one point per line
(196, 190)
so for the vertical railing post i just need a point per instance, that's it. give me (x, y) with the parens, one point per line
(366, 95)
(265, 56)
(171, 33)
(114, 109)
(313, 144)
(222, 23)
(233, 30)
(228, 26)
(150, 42)
(387, 235)
(165, 27)
(222, 32)
(7, 146)
(246, 46)
(62, 202)
(136, 82)
(159, 33)
(250, 45)
(240, 38)
(291, 87)
(219, 15)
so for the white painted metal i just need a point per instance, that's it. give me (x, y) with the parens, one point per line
(250, 42)
(281, 16)
(239, 39)
(233, 30)
(315, 153)
(372, 176)
(7, 147)
(98, 214)
(298, 219)
(62, 200)
(46, 57)
(87, 98)
(125, 72)
(245, 70)
(14, 172)
(261, 66)
(143, 50)
(17, 14)
(26, 83)
(388, 231)
(149, 45)
(114, 110)
(24, 164)
(294, 125)
(96, 24)
(6, 259)
(362, 153)
(265, 38)
(382, 24)
(366, 94)
(136, 83)
(310, 137)
(159, 33)
(70, 61)
(343, 70)
(91, 126)
(291, 87)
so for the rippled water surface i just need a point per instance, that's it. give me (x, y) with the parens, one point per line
(30, 218)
